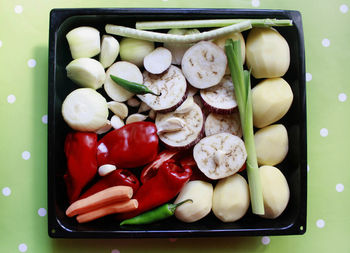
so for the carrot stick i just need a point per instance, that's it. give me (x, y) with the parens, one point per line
(102, 198)
(119, 207)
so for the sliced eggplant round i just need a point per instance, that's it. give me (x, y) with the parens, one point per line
(220, 98)
(204, 64)
(223, 123)
(180, 130)
(172, 86)
(220, 155)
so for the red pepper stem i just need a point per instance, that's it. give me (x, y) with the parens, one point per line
(172, 207)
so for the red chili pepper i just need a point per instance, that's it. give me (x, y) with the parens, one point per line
(80, 149)
(115, 178)
(161, 188)
(131, 146)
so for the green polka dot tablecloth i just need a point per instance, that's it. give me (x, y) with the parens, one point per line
(23, 138)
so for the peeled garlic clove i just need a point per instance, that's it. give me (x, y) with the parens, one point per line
(133, 102)
(106, 169)
(152, 114)
(116, 122)
(135, 118)
(172, 124)
(109, 50)
(84, 42)
(119, 109)
(219, 157)
(186, 106)
(143, 107)
(86, 72)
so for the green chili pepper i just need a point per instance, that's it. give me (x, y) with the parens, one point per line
(159, 213)
(132, 87)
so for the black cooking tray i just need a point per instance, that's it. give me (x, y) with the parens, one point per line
(291, 222)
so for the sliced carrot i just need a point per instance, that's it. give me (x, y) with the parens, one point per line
(102, 198)
(118, 207)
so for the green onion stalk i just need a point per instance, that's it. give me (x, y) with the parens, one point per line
(241, 81)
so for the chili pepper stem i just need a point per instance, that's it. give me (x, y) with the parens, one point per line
(172, 207)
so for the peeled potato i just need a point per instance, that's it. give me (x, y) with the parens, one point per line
(275, 191)
(271, 100)
(267, 53)
(201, 194)
(231, 198)
(271, 144)
(234, 36)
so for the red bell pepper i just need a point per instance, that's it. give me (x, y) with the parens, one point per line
(80, 150)
(161, 188)
(115, 178)
(131, 146)
(151, 169)
(197, 174)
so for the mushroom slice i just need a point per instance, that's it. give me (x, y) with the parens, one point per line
(223, 123)
(220, 98)
(220, 155)
(172, 86)
(188, 135)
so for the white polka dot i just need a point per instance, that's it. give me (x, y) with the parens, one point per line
(255, 3)
(320, 223)
(326, 42)
(265, 240)
(172, 239)
(18, 9)
(308, 77)
(339, 187)
(342, 97)
(308, 168)
(115, 251)
(44, 119)
(31, 63)
(0, 43)
(42, 212)
(6, 191)
(324, 132)
(26, 155)
(22, 247)
(11, 99)
(344, 8)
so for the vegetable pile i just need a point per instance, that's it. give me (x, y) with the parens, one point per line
(179, 123)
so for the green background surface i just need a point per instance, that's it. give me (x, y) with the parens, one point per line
(23, 136)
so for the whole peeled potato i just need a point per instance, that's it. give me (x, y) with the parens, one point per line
(275, 191)
(271, 100)
(271, 144)
(267, 53)
(231, 198)
(201, 194)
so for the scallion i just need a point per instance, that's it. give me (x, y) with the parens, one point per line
(207, 23)
(164, 37)
(241, 81)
